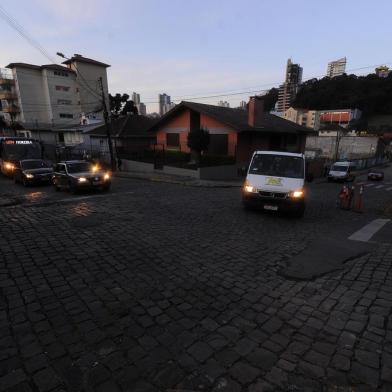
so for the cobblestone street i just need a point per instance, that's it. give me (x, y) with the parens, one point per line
(161, 287)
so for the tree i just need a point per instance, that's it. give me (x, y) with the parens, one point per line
(117, 102)
(270, 99)
(129, 107)
(198, 141)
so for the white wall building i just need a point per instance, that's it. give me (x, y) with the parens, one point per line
(337, 67)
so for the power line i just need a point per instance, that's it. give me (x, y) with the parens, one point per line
(24, 34)
(253, 91)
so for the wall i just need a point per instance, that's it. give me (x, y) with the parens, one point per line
(50, 81)
(89, 89)
(224, 172)
(32, 101)
(349, 146)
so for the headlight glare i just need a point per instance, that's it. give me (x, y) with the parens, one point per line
(297, 194)
(106, 176)
(28, 175)
(82, 179)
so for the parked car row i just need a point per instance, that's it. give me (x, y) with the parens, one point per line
(69, 175)
(347, 171)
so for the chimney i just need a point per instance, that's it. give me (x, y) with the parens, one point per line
(255, 111)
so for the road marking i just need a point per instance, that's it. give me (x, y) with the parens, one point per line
(369, 184)
(369, 230)
(389, 189)
(379, 187)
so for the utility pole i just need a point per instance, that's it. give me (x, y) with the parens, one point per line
(107, 124)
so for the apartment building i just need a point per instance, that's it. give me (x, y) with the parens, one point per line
(337, 67)
(49, 95)
(322, 120)
(288, 90)
(44, 99)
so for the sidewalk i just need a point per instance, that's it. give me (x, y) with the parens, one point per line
(181, 180)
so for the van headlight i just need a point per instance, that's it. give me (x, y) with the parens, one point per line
(297, 194)
(106, 176)
(249, 188)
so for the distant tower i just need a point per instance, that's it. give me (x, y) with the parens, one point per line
(288, 90)
(164, 104)
(337, 67)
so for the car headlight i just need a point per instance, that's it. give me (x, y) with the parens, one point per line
(28, 175)
(9, 166)
(95, 168)
(297, 194)
(106, 176)
(82, 179)
(248, 188)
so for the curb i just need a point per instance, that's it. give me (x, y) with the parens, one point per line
(7, 201)
(190, 183)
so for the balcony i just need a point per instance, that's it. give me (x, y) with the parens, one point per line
(7, 95)
(12, 109)
(6, 81)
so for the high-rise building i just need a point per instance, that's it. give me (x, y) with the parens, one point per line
(224, 104)
(141, 107)
(44, 96)
(243, 105)
(382, 71)
(165, 104)
(288, 90)
(135, 98)
(337, 67)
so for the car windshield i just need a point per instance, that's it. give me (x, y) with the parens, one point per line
(79, 167)
(277, 165)
(339, 168)
(34, 165)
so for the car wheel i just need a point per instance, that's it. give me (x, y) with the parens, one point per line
(329, 179)
(15, 180)
(106, 188)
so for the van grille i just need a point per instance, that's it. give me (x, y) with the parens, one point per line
(275, 195)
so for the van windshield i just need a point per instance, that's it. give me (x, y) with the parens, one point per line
(339, 168)
(277, 165)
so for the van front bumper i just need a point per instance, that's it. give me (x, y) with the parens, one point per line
(286, 204)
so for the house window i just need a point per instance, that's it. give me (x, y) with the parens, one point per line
(66, 115)
(64, 102)
(218, 144)
(173, 140)
(62, 88)
(60, 73)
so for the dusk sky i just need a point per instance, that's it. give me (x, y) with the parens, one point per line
(197, 48)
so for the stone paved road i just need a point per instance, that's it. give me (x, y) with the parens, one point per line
(161, 287)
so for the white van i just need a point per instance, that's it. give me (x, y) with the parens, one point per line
(342, 171)
(275, 181)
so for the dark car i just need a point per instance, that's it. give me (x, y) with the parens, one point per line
(32, 171)
(375, 175)
(79, 175)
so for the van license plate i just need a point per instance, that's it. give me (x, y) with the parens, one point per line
(271, 208)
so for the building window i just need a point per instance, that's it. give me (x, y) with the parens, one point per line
(218, 144)
(173, 139)
(64, 102)
(60, 73)
(61, 137)
(66, 115)
(62, 88)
